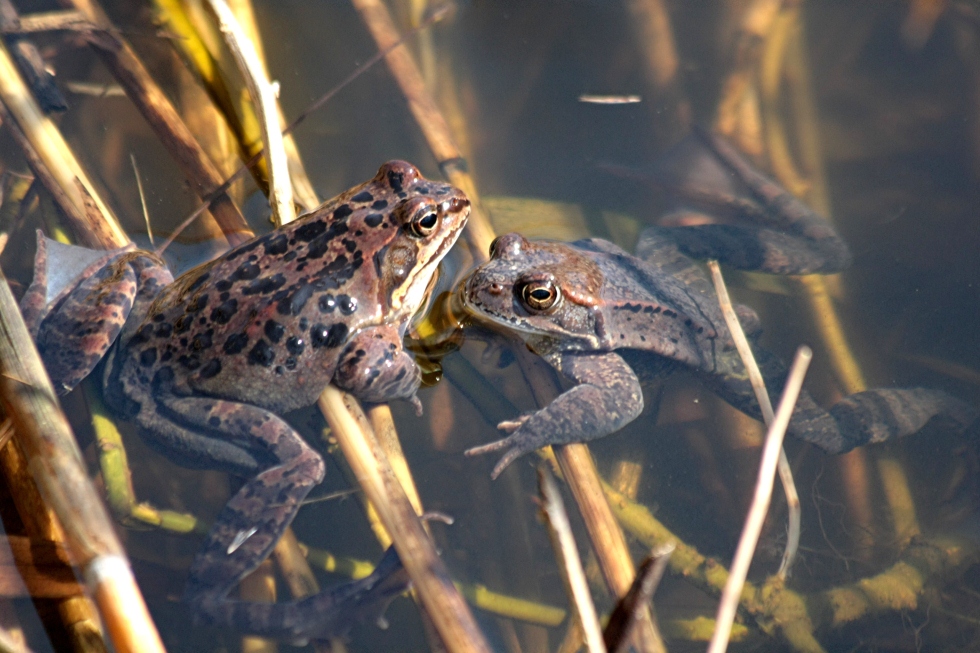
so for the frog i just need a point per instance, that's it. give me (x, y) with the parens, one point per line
(610, 321)
(206, 364)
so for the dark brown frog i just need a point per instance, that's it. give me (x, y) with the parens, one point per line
(607, 320)
(206, 363)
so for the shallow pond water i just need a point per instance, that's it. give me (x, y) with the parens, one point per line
(879, 110)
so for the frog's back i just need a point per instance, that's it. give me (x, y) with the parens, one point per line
(266, 322)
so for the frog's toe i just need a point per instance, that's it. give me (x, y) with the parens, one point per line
(517, 445)
(416, 404)
(511, 425)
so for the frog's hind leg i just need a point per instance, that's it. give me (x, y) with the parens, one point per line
(861, 418)
(75, 329)
(753, 224)
(248, 527)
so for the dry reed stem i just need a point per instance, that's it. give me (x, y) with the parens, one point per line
(264, 100)
(443, 603)
(478, 233)
(55, 464)
(202, 174)
(53, 161)
(765, 404)
(52, 21)
(756, 22)
(303, 191)
(566, 553)
(771, 452)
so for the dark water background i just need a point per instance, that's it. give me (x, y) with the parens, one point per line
(899, 130)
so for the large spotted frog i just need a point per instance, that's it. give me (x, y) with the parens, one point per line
(205, 364)
(607, 320)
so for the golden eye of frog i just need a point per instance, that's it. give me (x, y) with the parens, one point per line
(205, 364)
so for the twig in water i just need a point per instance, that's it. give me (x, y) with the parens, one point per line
(560, 530)
(264, 100)
(139, 186)
(760, 502)
(762, 396)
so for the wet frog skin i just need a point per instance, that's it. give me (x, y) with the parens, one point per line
(206, 362)
(608, 320)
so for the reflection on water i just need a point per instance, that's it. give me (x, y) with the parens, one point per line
(871, 114)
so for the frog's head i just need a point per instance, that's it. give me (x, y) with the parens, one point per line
(426, 218)
(540, 290)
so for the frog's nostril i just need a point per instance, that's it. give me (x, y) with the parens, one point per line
(496, 289)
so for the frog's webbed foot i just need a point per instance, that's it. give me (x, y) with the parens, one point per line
(861, 418)
(375, 368)
(608, 398)
(328, 614)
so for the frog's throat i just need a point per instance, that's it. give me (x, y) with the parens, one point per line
(410, 296)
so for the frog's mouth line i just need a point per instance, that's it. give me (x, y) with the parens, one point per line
(522, 326)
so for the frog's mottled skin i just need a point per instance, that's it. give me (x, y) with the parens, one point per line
(205, 363)
(608, 320)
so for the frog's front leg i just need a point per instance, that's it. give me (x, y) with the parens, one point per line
(375, 368)
(607, 398)
(281, 469)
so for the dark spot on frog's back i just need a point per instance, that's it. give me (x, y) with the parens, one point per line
(277, 245)
(342, 212)
(235, 343)
(163, 380)
(148, 357)
(395, 179)
(363, 196)
(329, 337)
(246, 271)
(310, 230)
(292, 304)
(265, 285)
(199, 282)
(379, 204)
(223, 313)
(211, 369)
(274, 331)
(373, 219)
(261, 354)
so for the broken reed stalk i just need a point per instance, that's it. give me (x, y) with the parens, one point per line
(760, 502)
(569, 562)
(53, 161)
(200, 172)
(443, 603)
(55, 464)
(264, 101)
(765, 404)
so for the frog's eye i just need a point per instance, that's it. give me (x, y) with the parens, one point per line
(540, 295)
(424, 222)
(493, 246)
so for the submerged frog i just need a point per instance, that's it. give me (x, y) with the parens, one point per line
(206, 362)
(607, 320)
